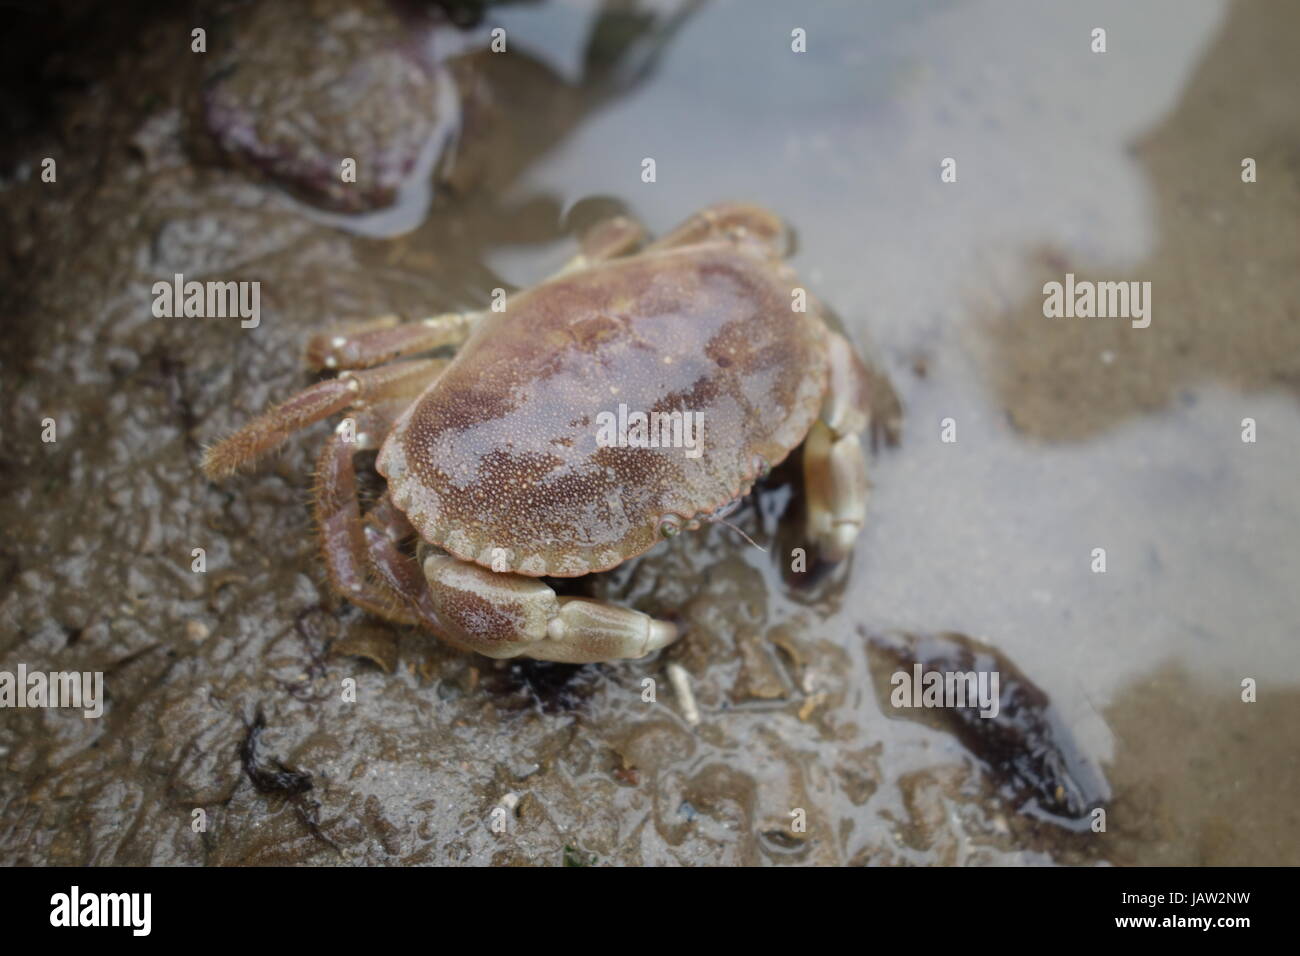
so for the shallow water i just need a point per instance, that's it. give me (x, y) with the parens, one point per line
(1072, 434)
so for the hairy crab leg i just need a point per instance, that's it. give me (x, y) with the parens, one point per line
(835, 470)
(338, 518)
(381, 340)
(385, 528)
(350, 390)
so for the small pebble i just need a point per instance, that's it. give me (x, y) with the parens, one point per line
(681, 681)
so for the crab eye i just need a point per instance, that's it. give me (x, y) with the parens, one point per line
(668, 527)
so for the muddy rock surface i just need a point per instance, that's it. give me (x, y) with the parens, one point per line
(298, 89)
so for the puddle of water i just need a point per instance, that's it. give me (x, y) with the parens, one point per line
(845, 141)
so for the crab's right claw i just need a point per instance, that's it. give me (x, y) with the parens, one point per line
(835, 471)
(509, 615)
(835, 475)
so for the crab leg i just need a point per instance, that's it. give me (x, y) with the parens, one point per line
(385, 527)
(835, 471)
(723, 220)
(510, 615)
(384, 339)
(604, 241)
(349, 390)
(343, 538)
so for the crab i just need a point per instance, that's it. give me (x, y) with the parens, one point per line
(495, 461)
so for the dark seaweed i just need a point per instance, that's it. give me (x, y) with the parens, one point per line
(271, 776)
(1027, 748)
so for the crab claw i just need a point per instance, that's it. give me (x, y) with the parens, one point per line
(835, 474)
(509, 615)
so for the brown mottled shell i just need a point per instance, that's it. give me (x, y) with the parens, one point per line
(501, 452)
